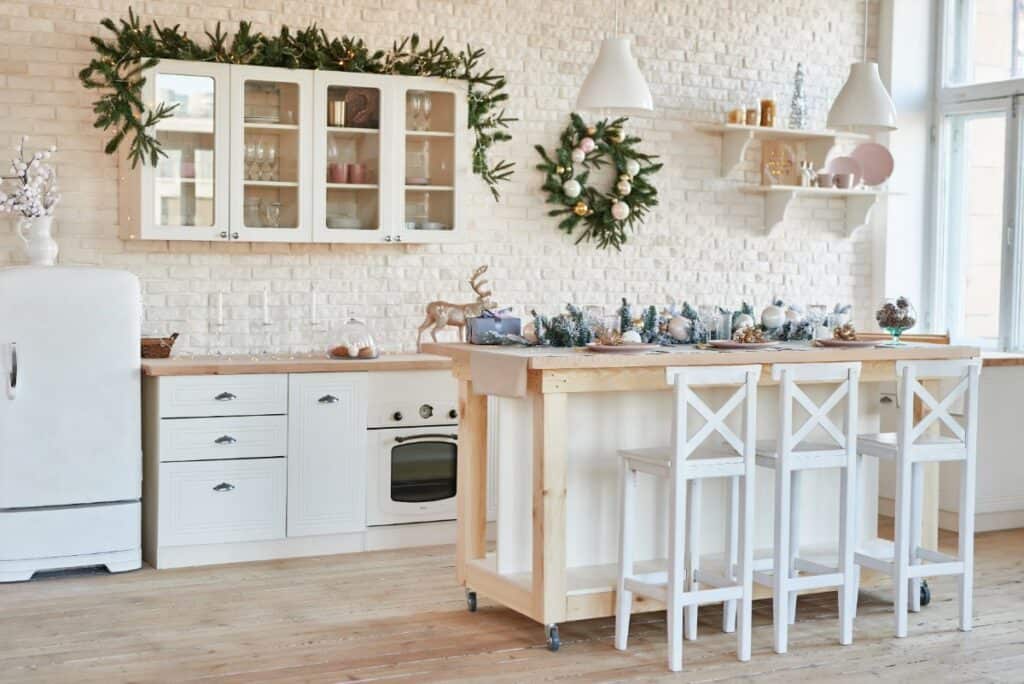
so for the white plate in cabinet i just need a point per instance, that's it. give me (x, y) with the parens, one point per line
(326, 453)
(204, 396)
(211, 502)
(207, 439)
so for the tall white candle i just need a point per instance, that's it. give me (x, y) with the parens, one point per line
(220, 308)
(313, 306)
(266, 305)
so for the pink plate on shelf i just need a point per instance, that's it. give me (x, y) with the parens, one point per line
(849, 165)
(875, 161)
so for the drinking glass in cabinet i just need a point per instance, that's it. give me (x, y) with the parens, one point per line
(429, 111)
(353, 107)
(184, 177)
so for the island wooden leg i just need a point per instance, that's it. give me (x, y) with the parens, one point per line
(550, 453)
(471, 494)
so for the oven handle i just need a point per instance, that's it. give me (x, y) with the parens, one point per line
(435, 436)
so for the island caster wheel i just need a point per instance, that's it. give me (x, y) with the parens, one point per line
(471, 601)
(553, 641)
(926, 593)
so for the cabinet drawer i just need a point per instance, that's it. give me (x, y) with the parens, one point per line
(223, 395)
(210, 502)
(208, 439)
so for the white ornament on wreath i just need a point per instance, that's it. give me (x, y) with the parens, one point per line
(631, 337)
(632, 167)
(620, 211)
(742, 321)
(578, 155)
(587, 145)
(572, 188)
(624, 187)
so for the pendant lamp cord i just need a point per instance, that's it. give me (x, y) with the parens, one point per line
(866, 30)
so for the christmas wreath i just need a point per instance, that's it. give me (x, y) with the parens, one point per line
(605, 215)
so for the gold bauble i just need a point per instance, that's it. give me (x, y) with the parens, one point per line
(559, 169)
(580, 209)
(591, 130)
(615, 135)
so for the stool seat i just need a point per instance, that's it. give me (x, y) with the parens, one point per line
(885, 445)
(706, 461)
(805, 455)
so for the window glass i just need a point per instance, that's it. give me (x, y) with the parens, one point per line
(986, 41)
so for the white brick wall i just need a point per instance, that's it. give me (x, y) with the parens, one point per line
(703, 243)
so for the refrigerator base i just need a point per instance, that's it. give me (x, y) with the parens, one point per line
(114, 561)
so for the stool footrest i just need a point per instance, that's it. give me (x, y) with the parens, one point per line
(935, 556)
(804, 565)
(814, 582)
(713, 578)
(936, 569)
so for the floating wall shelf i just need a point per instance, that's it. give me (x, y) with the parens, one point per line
(737, 137)
(778, 198)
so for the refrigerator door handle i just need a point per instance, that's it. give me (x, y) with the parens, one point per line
(12, 376)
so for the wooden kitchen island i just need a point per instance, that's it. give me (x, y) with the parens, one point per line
(556, 418)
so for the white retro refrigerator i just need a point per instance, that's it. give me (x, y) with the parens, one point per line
(70, 424)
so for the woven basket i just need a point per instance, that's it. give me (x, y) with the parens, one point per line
(157, 347)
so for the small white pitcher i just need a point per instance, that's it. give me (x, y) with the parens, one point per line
(40, 247)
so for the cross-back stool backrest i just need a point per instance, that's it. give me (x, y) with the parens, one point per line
(685, 379)
(966, 373)
(790, 377)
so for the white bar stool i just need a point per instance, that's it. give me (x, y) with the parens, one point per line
(685, 463)
(910, 447)
(787, 572)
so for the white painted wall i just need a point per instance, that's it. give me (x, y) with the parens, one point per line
(704, 243)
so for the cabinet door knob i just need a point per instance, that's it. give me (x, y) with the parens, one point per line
(224, 234)
(453, 414)
(223, 487)
(225, 396)
(234, 236)
(328, 399)
(387, 238)
(226, 439)
(397, 415)
(398, 238)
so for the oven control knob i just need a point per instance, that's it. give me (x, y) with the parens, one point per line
(453, 414)
(426, 411)
(397, 415)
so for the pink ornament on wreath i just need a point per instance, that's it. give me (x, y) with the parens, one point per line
(620, 210)
(578, 155)
(587, 145)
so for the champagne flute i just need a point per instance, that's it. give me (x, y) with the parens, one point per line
(250, 160)
(426, 111)
(416, 104)
(272, 161)
(261, 155)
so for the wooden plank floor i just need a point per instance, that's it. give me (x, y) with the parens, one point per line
(398, 616)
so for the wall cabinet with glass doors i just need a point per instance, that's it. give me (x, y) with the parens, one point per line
(264, 154)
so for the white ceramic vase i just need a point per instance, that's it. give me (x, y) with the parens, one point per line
(40, 247)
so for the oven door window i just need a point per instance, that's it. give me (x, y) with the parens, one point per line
(423, 471)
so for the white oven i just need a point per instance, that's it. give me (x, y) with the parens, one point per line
(413, 448)
(412, 474)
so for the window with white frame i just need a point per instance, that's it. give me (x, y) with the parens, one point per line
(978, 288)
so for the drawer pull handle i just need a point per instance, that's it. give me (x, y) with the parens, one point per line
(224, 487)
(225, 396)
(328, 399)
(226, 439)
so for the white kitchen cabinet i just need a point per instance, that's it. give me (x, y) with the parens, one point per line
(183, 197)
(266, 154)
(326, 453)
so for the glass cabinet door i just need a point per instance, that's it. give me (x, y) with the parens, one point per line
(434, 121)
(270, 155)
(351, 129)
(186, 190)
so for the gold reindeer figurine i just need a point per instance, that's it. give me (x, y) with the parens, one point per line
(441, 314)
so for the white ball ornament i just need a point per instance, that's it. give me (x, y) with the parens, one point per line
(680, 328)
(572, 188)
(578, 155)
(773, 317)
(620, 210)
(631, 337)
(624, 187)
(632, 167)
(588, 145)
(742, 321)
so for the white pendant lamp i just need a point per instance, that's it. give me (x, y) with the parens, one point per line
(615, 84)
(863, 103)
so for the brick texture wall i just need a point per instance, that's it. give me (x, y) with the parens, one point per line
(704, 243)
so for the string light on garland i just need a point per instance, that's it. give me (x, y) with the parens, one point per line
(605, 216)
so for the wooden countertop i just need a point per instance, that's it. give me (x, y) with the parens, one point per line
(301, 363)
(997, 359)
(552, 358)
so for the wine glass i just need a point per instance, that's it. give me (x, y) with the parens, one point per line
(708, 317)
(271, 161)
(416, 105)
(427, 104)
(250, 160)
(261, 156)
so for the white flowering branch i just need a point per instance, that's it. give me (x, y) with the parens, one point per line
(35, 184)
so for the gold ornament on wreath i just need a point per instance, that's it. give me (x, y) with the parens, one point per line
(604, 216)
